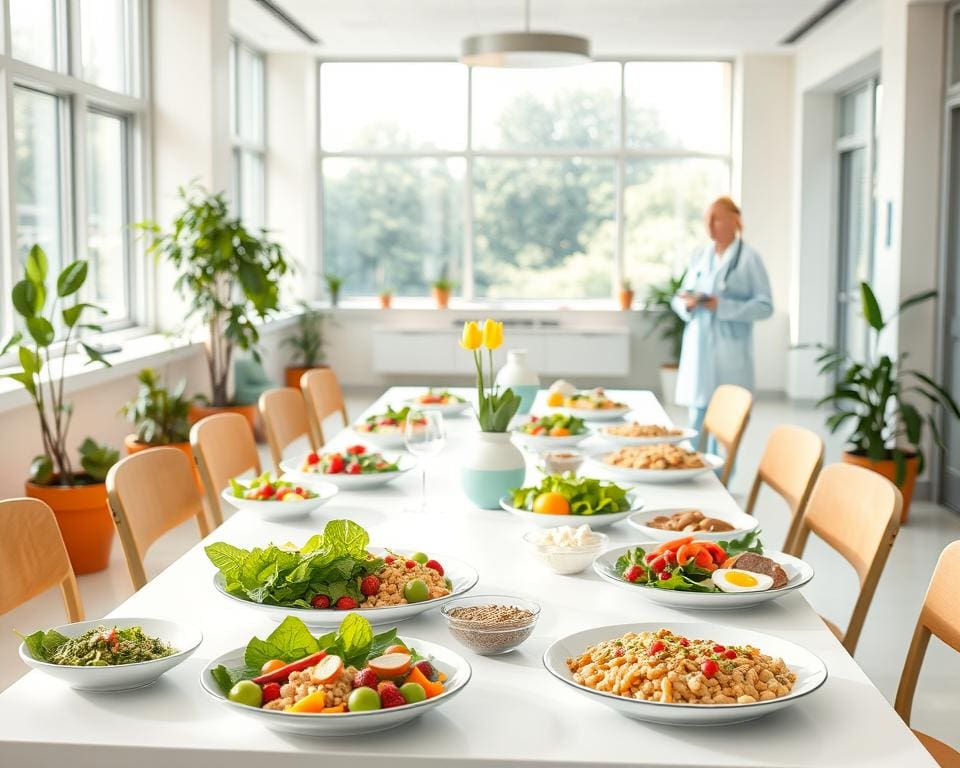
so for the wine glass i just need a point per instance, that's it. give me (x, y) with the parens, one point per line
(424, 436)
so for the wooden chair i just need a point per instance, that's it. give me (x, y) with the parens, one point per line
(790, 464)
(150, 493)
(321, 390)
(284, 416)
(726, 420)
(224, 447)
(856, 512)
(34, 557)
(940, 616)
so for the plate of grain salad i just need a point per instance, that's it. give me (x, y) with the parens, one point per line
(636, 433)
(685, 674)
(660, 463)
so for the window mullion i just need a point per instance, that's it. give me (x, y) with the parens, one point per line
(469, 284)
(70, 58)
(621, 182)
(74, 194)
(8, 214)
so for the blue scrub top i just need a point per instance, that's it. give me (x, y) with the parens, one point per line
(718, 346)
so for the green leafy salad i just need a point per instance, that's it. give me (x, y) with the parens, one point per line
(331, 563)
(97, 647)
(584, 495)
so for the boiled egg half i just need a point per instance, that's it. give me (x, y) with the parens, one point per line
(737, 580)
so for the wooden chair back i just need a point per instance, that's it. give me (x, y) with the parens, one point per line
(790, 464)
(150, 493)
(857, 513)
(283, 412)
(726, 420)
(34, 557)
(321, 390)
(224, 447)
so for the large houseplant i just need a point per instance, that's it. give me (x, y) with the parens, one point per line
(887, 403)
(670, 326)
(78, 497)
(493, 464)
(306, 343)
(230, 277)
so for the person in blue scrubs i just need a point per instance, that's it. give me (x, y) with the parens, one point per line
(725, 291)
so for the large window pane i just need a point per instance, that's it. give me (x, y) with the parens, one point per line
(251, 189)
(105, 42)
(106, 212)
(33, 31)
(678, 105)
(249, 95)
(664, 202)
(37, 173)
(393, 106)
(538, 108)
(544, 228)
(392, 224)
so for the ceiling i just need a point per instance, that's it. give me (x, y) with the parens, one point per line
(434, 28)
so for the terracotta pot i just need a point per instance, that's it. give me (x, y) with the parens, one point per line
(249, 412)
(888, 469)
(442, 297)
(292, 374)
(133, 446)
(626, 299)
(385, 300)
(84, 519)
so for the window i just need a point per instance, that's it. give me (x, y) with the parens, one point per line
(248, 128)
(518, 184)
(77, 127)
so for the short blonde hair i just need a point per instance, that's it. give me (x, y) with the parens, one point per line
(726, 203)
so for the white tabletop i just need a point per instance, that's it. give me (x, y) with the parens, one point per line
(511, 713)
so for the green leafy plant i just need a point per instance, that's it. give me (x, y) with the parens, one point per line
(881, 397)
(307, 342)
(42, 377)
(230, 276)
(670, 325)
(626, 285)
(442, 284)
(334, 284)
(159, 415)
(386, 293)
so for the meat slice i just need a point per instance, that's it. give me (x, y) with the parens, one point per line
(749, 561)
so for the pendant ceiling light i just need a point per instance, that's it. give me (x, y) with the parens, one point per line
(525, 49)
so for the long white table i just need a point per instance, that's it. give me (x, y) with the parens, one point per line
(512, 713)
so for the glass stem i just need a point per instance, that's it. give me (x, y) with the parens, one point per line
(423, 487)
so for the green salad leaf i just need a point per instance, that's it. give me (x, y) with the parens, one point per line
(586, 495)
(688, 578)
(43, 645)
(749, 542)
(543, 424)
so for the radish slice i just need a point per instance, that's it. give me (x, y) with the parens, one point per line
(327, 670)
(390, 664)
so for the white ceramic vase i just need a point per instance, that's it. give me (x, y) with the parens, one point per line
(489, 467)
(521, 379)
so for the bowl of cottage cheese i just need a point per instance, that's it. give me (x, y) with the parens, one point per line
(566, 549)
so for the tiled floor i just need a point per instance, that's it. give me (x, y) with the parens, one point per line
(883, 644)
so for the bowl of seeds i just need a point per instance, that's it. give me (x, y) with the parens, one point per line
(491, 624)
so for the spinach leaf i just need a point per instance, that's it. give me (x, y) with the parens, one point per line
(42, 645)
(750, 542)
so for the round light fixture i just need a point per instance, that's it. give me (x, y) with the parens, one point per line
(525, 49)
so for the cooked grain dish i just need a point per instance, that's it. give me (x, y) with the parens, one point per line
(642, 430)
(663, 456)
(301, 684)
(666, 668)
(395, 574)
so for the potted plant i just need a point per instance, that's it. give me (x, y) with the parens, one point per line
(334, 284)
(626, 295)
(671, 327)
(230, 277)
(386, 298)
(78, 497)
(442, 288)
(493, 465)
(887, 403)
(307, 344)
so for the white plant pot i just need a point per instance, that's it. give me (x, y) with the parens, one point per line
(518, 377)
(668, 384)
(489, 467)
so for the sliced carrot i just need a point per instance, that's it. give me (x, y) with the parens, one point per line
(432, 689)
(675, 544)
(703, 558)
(715, 550)
(312, 703)
(334, 710)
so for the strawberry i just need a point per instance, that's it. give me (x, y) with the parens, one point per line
(346, 603)
(388, 559)
(370, 585)
(390, 696)
(354, 469)
(356, 450)
(271, 691)
(388, 422)
(427, 669)
(410, 564)
(313, 458)
(366, 678)
(335, 464)
(320, 601)
(283, 492)
(633, 573)
(267, 491)
(435, 565)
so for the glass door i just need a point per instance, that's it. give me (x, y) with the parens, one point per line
(950, 462)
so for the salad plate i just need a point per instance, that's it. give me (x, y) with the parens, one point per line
(183, 639)
(544, 433)
(385, 430)
(352, 647)
(345, 481)
(443, 401)
(270, 508)
(625, 439)
(593, 414)
(810, 671)
(601, 520)
(740, 521)
(570, 500)
(711, 462)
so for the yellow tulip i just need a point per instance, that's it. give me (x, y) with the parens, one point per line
(472, 336)
(492, 334)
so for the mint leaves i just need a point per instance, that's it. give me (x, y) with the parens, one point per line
(749, 542)
(586, 495)
(43, 645)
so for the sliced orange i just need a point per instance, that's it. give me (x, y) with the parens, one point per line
(559, 431)
(312, 703)
(551, 503)
(396, 649)
(390, 664)
(554, 399)
(327, 670)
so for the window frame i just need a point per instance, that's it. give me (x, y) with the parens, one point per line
(75, 98)
(240, 145)
(621, 154)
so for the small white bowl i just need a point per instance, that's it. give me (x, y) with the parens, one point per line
(564, 560)
(284, 510)
(120, 677)
(742, 523)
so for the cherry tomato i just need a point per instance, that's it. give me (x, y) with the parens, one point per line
(719, 648)
(313, 458)
(354, 469)
(272, 666)
(684, 642)
(632, 573)
(663, 575)
(356, 450)
(657, 646)
(730, 654)
(709, 668)
(335, 465)
(271, 692)
(658, 564)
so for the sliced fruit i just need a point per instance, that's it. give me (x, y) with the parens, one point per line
(292, 496)
(281, 675)
(272, 666)
(555, 399)
(312, 703)
(390, 664)
(334, 710)
(551, 503)
(396, 649)
(431, 689)
(327, 670)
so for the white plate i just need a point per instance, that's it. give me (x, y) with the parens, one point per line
(552, 521)
(742, 523)
(686, 434)
(447, 409)
(453, 665)
(541, 443)
(463, 576)
(284, 510)
(122, 677)
(592, 414)
(811, 673)
(798, 573)
(391, 439)
(345, 482)
(596, 462)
